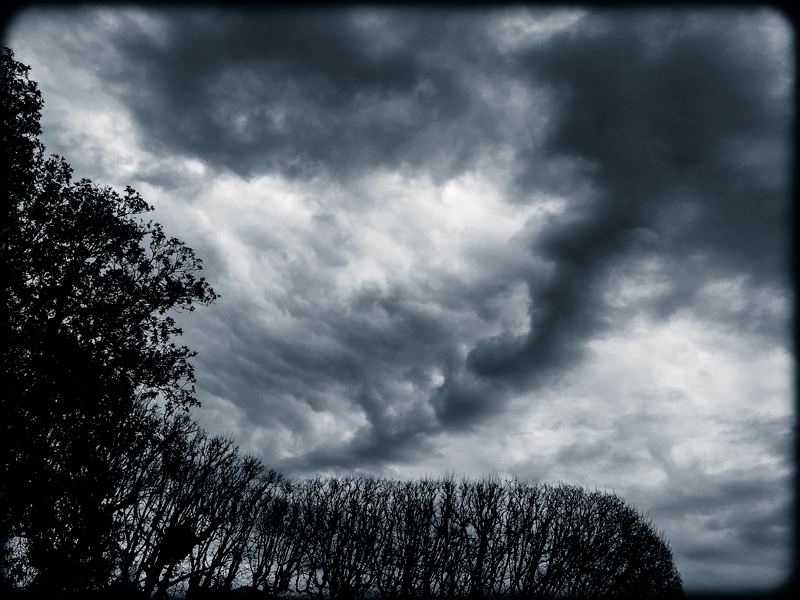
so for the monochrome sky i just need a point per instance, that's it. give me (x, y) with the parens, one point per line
(550, 243)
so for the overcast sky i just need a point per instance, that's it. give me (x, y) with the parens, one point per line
(545, 243)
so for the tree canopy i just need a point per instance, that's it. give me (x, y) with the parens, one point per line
(87, 287)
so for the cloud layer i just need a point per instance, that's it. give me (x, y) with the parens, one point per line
(550, 243)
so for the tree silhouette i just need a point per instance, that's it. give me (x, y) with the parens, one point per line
(87, 287)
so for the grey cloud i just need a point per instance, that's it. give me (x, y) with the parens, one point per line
(385, 440)
(660, 126)
(774, 435)
(695, 491)
(462, 401)
(376, 354)
(303, 91)
(676, 137)
(670, 131)
(667, 133)
(737, 511)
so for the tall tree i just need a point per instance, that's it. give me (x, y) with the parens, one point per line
(87, 290)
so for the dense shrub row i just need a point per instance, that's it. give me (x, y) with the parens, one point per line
(193, 514)
(361, 537)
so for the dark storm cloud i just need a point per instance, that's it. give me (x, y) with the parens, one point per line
(685, 134)
(674, 121)
(678, 122)
(298, 91)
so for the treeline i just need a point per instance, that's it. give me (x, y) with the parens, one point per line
(192, 514)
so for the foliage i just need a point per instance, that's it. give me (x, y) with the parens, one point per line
(87, 285)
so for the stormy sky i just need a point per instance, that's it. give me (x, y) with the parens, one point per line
(550, 243)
